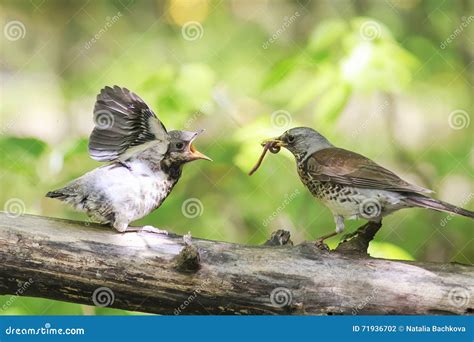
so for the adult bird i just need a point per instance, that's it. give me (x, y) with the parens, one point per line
(351, 185)
(145, 162)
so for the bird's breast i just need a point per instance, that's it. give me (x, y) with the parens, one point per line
(136, 189)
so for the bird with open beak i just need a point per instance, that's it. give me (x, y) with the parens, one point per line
(145, 162)
(349, 184)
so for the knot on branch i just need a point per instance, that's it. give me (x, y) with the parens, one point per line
(279, 238)
(358, 241)
(188, 260)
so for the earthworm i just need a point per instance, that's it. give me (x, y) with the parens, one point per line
(268, 146)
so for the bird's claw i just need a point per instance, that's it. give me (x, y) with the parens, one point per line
(319, 243)
(152, 229)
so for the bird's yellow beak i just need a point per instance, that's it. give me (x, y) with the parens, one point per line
(196, 154)
(277, 142)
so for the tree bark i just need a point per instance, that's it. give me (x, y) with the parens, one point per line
(166, 274)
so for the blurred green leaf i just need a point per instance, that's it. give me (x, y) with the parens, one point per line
(21, 155)
(326, 37)
(280, 71)
(387, 250)
(332, 102)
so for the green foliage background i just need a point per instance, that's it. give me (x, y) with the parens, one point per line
(377, 77)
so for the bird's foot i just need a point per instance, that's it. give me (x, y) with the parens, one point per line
(149, 229)
(152, 229)
(319, 243)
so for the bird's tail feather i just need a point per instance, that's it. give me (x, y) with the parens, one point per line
(431, 203)
(59, 194)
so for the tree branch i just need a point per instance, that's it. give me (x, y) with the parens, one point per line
(164, 274)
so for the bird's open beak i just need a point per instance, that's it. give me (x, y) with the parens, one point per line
(194, 152)
(277, 142)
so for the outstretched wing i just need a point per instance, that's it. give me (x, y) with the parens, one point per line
(348, 168)
(124, 125)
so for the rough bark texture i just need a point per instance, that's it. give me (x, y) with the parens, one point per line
(156, 273)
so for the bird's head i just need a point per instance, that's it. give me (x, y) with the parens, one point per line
(300, 141)
(181, 149)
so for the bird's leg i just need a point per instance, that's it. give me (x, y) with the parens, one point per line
(320, 242)
(339, 228)
(121, 223)
(124, 164)
(149, 229)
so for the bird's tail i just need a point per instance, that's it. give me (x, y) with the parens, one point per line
(431, 203)
(59, 194)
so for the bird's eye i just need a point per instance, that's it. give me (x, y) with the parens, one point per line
(290, 138)
(179, 146)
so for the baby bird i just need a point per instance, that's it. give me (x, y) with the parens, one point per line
(145, 161)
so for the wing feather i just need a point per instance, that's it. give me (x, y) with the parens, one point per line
(349, 168)
(124, 125)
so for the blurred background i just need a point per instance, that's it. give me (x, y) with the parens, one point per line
(392, 80)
